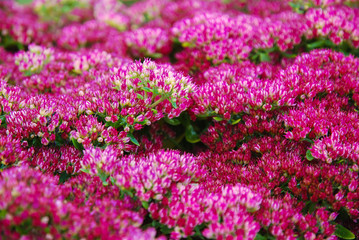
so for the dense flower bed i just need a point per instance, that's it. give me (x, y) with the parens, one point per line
(182, 119)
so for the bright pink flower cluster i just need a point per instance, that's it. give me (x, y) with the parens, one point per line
(33, 205)
(34, 60)
(148, 42)
(337, 23)
(227, 212)
(179, 119)
(321, 3)
(151, 176)
(219, 38)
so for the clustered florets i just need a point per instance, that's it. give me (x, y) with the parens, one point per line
(163, 119)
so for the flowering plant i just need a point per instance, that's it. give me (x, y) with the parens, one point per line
(171, 119)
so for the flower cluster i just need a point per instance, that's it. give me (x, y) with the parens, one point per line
(151, 177)
(148, 42)
(34, 60)
(337, 23)
(179, 119)
(21, 26)
(320, 3)
(91, 34)
(58, 10)
(213, 34)
(228, 212)
(33, 205)
(51, 160)
(12, 152)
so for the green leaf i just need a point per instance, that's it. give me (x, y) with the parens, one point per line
(126, 192)
(289, 55)
(156, 55)
(173, 102)
(3, 121)
(309, 155)
(147, 17)
(218, 119)
(28, 73)
(2, 166)
(298, 8)
(191, 134)
(309, 207)
(173, 121)
(77, 145)
(8, 42)
(308, 140)
(103, 176)
(67, 8)
(59, 141)
(343, 232)
(145, 204)
(24, 1)
(317, 44)
(176, 40)
(155, 92)
(165, 230)
(133, 139)
(2, 213)
(264, 57)
(113, 181)
(85, 170)
(198, 231)
(24, 227)
(146, 89)
(234, 122)
(129, 2)
(294, 5)
(186, 44)
(64, 176)
(260, 237)
(139, 96)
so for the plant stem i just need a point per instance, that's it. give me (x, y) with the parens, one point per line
(157, 102)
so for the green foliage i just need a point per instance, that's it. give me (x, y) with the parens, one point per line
(103, 176)
(191, 135)
(264, 235)
(77, 145)
(260, 55)
(85, 170)
(113, 181)
(133, 139)
(309, 155)
(2, 167)
(24, 2)
(64, 176)
(173, 121)
(309, 207)
(218, 119)
(260, 237)
(306, 45)
(3, 121)
(55, 12)
(162, 228)
(234, 121)
(145, 204)
(342, 232)
(2, 213)
(297, 7)
(10, 44)
(127, 192)
(24, 227)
